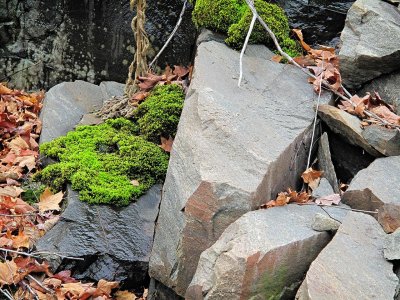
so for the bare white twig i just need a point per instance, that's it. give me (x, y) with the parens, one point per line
(6, 294)
(37, 254)
(246, 41)
(171, 35)
(40, 284)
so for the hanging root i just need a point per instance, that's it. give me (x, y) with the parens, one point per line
(138, 66)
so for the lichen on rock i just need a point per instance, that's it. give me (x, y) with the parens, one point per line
(233, 17)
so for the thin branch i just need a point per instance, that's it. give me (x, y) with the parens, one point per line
(40, 284)
(253, 21)
(20, 215)
(324, 82)
(340, 207)
(171, 35)
(37, 254)
(6, 294)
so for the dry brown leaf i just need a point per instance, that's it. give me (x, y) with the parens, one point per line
(277, 58)
(104, 287)
(166, 144)
(312, 177)
(301, 38)
(20, 241)
(50, 201)
(8, 273)
(135, 182)
(125, 295)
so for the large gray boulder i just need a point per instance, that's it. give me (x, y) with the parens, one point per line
(263, 255)
(114, 242)
(66, 103)
(370, 42)
(376, 188)
(235, 149)
(352, 266)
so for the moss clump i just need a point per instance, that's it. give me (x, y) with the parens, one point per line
(101, 161)
(234, 17)
(159, 114)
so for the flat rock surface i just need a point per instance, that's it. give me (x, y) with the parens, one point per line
(352, 266)
(362, 58)
(377, 188)
(235, 148)
(260, 256)
(346, 125)
(385, 140)
(66, 103)
(115, 242)
(392, 246)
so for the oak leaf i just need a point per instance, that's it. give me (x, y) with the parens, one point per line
(50, 201)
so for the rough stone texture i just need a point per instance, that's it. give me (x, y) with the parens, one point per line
(324, 189)
(377, 188)
(115, 242)
(347, 159)
(352, 266)
(64, 40)
(388, 87)
(234, 149)
(391, 248)
(67, 102)
(347, 125)
(262, 255)
(385, 140)
(361, 58)
(322, 222)
(325, 162)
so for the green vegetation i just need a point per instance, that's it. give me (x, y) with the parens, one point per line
(159, 114)
(102, 161)
(233, 17)
(32, 191)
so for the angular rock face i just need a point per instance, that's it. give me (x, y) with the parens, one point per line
(361, 57)
(325, 162)
(346, 125)
(235, 148)
(388, 87)
(385, 140)
(263, 255)
(63, 40)
(117, 250)
(377, 188)
(66, 103)
(352, 266)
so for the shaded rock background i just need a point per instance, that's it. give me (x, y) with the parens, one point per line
(65, 40)
(92, 40)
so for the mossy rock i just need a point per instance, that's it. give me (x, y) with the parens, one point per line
(159, 115)
(101, 161)
(233, 17)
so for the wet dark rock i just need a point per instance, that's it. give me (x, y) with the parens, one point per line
(115, 242)
(347, 159)
(55, 41)
(320, 20)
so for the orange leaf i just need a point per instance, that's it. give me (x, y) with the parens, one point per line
(50, 201)
(166, 144)
(300, 36)
(312, 177)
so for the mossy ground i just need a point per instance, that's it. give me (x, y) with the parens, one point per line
(101, 161)
(233, 17)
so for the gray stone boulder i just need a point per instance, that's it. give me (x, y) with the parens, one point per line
(388, 87)
(346, 125)
(263, 255)
(235, 148)
(385, 140)
(66, 103)
(352, 266)
(325, 162)
(392, 246)
(114, 242)
(376, 188)
(324, 189)
(370, 44)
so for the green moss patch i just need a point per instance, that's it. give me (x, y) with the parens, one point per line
(118, 161)
(233, 17)
(159, 114)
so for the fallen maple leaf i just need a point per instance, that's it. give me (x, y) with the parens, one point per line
(65, 277)
(312, 177)
(50, 201)
(8, 273)
(125, 295)
(104, 287)
(166, 144)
